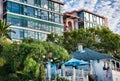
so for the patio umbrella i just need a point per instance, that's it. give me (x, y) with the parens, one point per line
(75, 62)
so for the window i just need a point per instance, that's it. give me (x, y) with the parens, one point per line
(36, 13)
(21, 34)
(57, 18)
(44, 15)
(39, 14)
(25, 10)
(31, 24)
(81, 15)
(51, 16)
(61, 7)
(15, 21)
(101, 21)
(25, 33)
(15, 8)
(21, 9)
(9, 6)
(15, 35)
(44, 4)
(61, 19)
(31, 2)
(70, 25)
(51, 6)
(98, 20)
(56, 6)
(37, 3)
(91, 18)
(36, 25)
(9, 20)
(87, 16)
(36, 35)
(24, 23)
(30, 11)
(25, 1)
(30, 34)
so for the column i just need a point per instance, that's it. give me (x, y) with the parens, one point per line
(49, 71)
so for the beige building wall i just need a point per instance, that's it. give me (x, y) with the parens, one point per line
(1, 9)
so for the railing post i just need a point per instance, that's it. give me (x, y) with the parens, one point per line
(74, 74)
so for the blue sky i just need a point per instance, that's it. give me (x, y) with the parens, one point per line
(107, 8)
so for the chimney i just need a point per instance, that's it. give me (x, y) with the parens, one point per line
(80, 48)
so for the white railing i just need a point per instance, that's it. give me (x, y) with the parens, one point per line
(79, 75)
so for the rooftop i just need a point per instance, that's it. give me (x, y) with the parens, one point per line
(89, 54)
(56, 1)
(84, 10)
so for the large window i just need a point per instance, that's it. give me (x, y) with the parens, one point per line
(31, 2)
(37, 3)
(15, 8)
(51, 6)
(61, 18)
(44, 4)
(32, 24)
(57, 18)
(91, 18)
(87, 16)
(98, 20)
(61, 7)
(9, 6)
(30, 11)
(101, 22)
(51, 16)
(81, 15)
(16, 35)
(35, 12)
(56, 6)
(15, 21)
(44, 15)
(25, 10)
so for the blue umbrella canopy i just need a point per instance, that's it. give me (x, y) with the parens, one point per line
(75, 62)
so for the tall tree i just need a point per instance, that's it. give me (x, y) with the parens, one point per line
(100, 39)
(4, 30)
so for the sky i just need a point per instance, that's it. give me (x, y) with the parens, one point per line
(107, 8)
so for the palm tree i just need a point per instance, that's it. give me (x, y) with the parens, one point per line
(4, 30)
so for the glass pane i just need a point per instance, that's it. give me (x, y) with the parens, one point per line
(51, 6)
(56, 6)
(31, 2)
(15, 8)
(30, 11)
(15, 35)
(9, 5)
(57, 18)
(44, 4)
(44, 15)
(81, 15)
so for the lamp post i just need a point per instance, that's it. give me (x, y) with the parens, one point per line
(49, 68)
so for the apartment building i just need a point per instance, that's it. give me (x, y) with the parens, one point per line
(83, 19)
(33, 18)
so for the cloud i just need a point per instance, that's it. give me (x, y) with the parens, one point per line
(107, 8)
